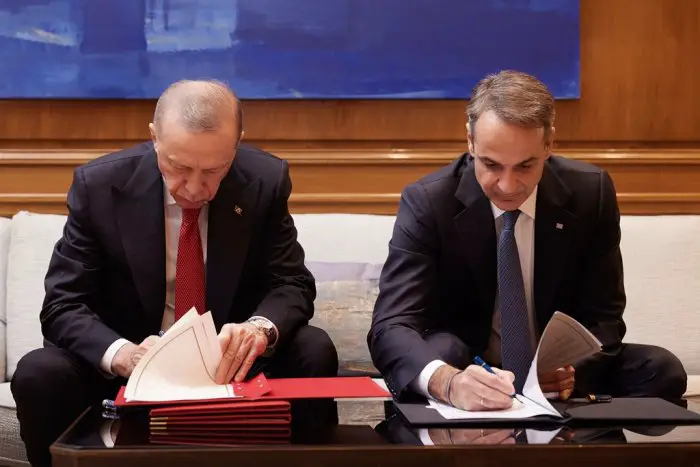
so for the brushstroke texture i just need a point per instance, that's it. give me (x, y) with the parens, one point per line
(282, 48)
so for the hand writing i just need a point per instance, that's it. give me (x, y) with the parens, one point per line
(476, 389)
(464, 436)
(241, 344)
(561, 381)
(129, 355)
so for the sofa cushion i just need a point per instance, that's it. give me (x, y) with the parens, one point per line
(662, 281)
(33, 237)
(345, 253)
(5, 225)
(345, 238)
(6, 399)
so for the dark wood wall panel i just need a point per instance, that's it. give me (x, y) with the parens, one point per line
(648, 182)
(638, 116)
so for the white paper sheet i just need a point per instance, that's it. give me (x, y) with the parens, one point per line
(181, 365)
(565, 342)
(521, 408)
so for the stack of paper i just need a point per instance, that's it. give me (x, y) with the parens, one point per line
(237, 423)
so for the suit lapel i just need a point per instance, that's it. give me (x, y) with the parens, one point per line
(477, 229)
(554, 229)
(141, 222)
(231, 214)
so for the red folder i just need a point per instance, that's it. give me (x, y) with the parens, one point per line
(234, 422)
(221, 409)
(224, 418)
(260, 388)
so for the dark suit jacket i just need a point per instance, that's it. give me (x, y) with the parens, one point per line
(441, 270)
(106, 278)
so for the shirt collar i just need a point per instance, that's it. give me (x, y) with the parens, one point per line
(169, 200)
(528, 206)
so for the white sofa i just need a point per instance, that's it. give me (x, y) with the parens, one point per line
(345, 253)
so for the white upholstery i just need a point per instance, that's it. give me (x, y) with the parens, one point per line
(32, 240)
(6, 399)
(355, 238)
(662, 279)
(4, 252)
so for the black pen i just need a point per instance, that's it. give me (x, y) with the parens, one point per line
(591, 399)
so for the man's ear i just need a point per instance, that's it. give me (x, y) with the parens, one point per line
(470, 139)
(550, 143)
(152, 131)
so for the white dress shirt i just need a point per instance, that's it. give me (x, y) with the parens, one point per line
(525, 240)
(173, 220)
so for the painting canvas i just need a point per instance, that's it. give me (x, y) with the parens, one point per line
(284, 49)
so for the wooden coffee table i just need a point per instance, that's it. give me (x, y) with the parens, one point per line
(97, 441)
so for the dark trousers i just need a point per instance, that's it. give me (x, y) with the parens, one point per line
(52, 387)
(636, 371)
(311, 354)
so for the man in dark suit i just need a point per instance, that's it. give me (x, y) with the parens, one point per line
(191, 219)
(473, 271)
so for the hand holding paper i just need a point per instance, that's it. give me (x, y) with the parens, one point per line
(129, 355)
(181, 364)
(560, 381)
(241, 344)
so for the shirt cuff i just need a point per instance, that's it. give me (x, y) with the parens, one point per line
(420, 384)
(106, 362)
(276, 331)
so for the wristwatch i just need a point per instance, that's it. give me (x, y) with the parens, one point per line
(266, 327)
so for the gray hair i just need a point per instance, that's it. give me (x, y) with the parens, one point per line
(198, 106)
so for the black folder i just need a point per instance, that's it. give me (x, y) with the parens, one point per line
(620, 411)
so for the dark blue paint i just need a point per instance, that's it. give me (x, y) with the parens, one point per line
(284, 48)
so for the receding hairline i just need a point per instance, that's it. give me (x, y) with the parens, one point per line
(199, 106)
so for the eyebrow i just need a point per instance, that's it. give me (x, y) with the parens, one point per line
(491, 161)
(528, 161)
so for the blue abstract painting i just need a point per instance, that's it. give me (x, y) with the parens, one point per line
(284, 49)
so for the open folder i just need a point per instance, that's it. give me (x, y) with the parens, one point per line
(180, 368)
(564, 341)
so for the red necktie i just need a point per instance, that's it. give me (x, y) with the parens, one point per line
(189, 271)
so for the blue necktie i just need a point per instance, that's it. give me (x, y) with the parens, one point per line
(516, 346)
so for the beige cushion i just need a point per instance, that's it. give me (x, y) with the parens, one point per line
(31, 246)
(661, 257)
(6, 399)
(4, 252)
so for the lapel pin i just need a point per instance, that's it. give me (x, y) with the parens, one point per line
(238, 210)
(560, 226)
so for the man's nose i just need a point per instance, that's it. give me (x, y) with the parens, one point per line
(194, 185)
(507, 183)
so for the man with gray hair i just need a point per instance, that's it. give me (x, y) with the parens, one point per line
(189, 219)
